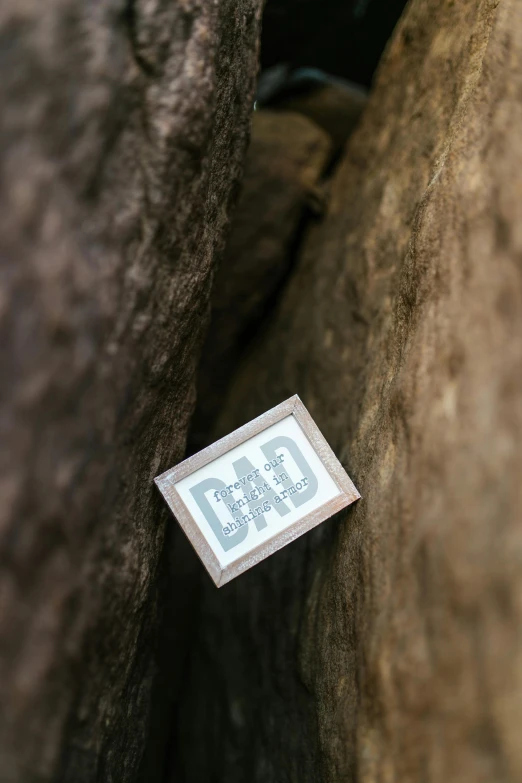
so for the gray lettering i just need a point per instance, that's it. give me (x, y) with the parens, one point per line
(284, 442)
(198, 492)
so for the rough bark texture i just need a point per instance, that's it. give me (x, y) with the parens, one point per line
(123, 130)
(386, 645)
(287, 157)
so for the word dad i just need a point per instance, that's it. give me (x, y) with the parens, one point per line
(260, 498)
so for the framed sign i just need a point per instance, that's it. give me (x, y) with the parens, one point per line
(255, 490)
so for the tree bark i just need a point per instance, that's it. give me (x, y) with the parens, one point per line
(286, 160)
(385, 645)
(123, 131)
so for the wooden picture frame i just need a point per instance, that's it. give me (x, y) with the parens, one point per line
(173, 487)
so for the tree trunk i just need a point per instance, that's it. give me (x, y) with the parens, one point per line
(385, 645)
(123, 131)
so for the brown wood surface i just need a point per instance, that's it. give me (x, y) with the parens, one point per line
(123, 128)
